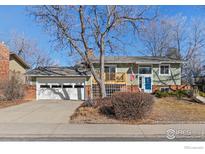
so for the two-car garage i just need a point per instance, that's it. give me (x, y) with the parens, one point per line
(60, 88)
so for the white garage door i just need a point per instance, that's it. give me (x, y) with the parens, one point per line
(60, 88)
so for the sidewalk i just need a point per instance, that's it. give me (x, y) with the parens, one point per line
(102, 132)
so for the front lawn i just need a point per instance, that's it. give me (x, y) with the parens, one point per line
(165, 110)
(4, 104)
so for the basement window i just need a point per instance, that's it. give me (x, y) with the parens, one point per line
(44, 86)
(164, 89)
(78, 86)
(56, 86)
(67, 86)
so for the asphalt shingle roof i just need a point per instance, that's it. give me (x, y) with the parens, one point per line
(75, 70)
(137, 59)
(55, 71)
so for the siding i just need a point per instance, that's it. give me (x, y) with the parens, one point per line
(15, 66)
(176, 71)
(123, 68)
(16, 69)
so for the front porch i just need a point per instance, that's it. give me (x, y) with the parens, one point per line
(113, 78)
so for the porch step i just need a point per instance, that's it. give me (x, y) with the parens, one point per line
(199, 99)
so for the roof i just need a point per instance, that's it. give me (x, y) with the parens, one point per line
(20, 60)
(137, 59)
(56, 71)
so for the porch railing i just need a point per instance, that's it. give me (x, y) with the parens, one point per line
(114, 78)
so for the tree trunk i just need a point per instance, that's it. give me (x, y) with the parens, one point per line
(98, 79)
(102, 89)
(102, 70)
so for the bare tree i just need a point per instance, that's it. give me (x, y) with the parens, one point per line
(84, 28)
(156, 36)
(29, 51)
(185, 37)
(190, 42)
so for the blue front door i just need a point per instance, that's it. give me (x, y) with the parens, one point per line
(148, 85)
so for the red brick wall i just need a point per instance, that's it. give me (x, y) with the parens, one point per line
(30, 92)
(4, 62)
(132, 88)
(174, 87)
(87, 91)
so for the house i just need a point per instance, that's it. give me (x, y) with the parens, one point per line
(11, 64)
(199, 81)
(122, 73)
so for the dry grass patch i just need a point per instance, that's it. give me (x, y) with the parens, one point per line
(171, 109)
(165, 110)
(90, 115)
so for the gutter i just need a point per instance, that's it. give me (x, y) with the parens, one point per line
(166, 62)
(58, 75)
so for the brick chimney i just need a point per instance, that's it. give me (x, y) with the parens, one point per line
(4, 62)
(90, 53)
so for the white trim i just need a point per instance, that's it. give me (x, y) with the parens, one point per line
(76, 81)
(85, 95)
(111, 65)
(162, 62)
(164, 74)
(37, 84)
(145, 66)
(58, 75)
(145, 75)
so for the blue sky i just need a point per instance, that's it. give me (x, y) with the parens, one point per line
(15, 19)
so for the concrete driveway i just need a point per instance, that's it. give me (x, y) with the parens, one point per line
(42, 111)
(49, 121)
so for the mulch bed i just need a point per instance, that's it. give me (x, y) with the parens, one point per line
(4, 104)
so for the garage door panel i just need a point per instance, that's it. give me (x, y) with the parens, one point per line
(68, 89)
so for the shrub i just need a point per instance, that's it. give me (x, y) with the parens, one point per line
(131, 106)
(161, 94)
(177, 93)
(105, 106)
(102, 102)
(13, 89)
(88, 103)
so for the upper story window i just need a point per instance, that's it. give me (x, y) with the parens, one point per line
(164, 69)
(145, 70)
(110, 72)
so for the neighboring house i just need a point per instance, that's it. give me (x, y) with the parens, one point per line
(122, 73)
(200, 82)
(11, 64)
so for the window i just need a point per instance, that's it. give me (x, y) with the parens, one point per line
(78, 86)
(67, 86)
(164, 89)
(110, 72)
(145, 70)
(44, 86)
(164, 69)
(56, 86)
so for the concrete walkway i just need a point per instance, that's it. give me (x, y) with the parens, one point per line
(49, 120)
